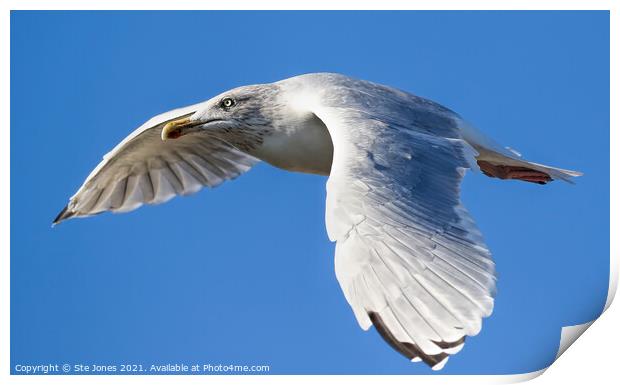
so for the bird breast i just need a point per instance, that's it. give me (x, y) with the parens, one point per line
(301, 145)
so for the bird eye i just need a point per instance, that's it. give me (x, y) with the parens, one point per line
(227, 102)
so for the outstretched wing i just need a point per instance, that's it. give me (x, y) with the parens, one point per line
(409, 258)
(144, 169)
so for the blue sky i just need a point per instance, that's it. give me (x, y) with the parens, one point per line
(244, 273)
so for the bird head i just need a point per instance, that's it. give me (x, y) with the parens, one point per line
(248, 108)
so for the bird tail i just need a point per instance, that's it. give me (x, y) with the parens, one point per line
(499, 166)
(505, 163)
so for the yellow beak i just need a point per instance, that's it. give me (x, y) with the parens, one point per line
(174, 128)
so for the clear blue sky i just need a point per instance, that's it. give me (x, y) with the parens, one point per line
(244, 273)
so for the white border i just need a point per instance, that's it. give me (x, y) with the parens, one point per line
(310, 5)
(594, 360)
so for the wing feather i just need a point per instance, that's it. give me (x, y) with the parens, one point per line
(144, 169)
(409, 258)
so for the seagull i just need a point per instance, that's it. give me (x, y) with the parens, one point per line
(408, 257)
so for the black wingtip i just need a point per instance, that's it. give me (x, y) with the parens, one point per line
(64, 214)
(411, 351)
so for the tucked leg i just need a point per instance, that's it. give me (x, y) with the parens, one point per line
(513, 172)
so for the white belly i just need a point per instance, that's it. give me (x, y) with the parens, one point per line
(305, 148)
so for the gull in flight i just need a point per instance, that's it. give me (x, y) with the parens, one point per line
(409, 258)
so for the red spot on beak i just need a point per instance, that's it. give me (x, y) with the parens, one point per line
(174, 134)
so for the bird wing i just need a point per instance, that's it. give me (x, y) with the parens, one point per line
(144, 169)
(409, 257)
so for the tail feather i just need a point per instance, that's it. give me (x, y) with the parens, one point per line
(501, 162)
(506, 167)
(555, 172)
